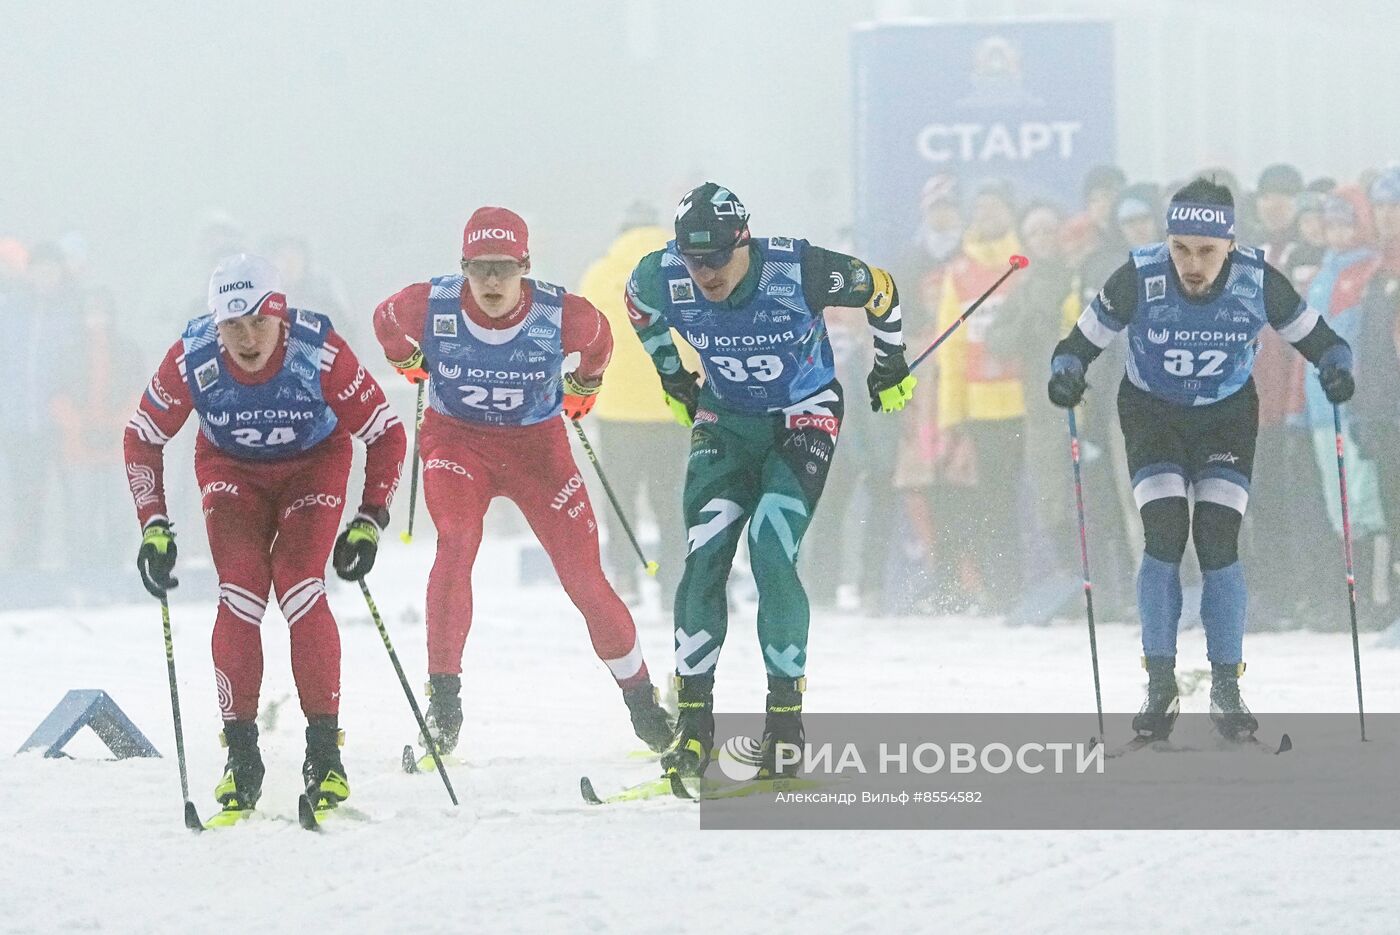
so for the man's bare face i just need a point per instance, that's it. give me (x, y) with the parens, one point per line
(251, 340)
(1198, 260)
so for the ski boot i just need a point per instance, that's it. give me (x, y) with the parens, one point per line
(1158, 714)
(444, 715)
(781, 725)
(689, 752)
(239, 789)
(323, 772)
(1227, 709)
(649, 720)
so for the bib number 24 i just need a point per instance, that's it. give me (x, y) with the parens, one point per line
(253, 438)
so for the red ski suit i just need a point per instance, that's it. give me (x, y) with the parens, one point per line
(467, 464)
(271, 524)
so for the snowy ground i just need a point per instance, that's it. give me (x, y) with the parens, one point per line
(95, 845)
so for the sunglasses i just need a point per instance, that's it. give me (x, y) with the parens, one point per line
(714, 259)
(485, 269)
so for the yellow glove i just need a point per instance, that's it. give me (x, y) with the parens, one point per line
(682, 391)
(890, 383)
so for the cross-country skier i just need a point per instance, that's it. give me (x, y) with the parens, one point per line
(278, 394)
(766, 420)
(494, 347)
(1192, 308)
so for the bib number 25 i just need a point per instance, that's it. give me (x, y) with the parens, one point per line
(500, 398)
(761, 367)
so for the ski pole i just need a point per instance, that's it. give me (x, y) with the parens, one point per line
(407, 534)
(408, 692)
(651, 567)
(1084, 559)
(191, 815)
(1351, 574)
(1017, 262)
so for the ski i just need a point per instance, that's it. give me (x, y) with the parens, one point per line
(306, 814)
(1249, 742)
(650, 789)
(413, 763)
(227, 818)
(314, 817)
(1254, 743)
(192, 820)
(708, 790)
(673, 786)
(1138, 743)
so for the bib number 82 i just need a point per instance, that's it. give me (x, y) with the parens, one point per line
(1180, 363)
(761, 367)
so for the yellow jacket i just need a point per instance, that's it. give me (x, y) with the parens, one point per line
(974, 385)
(631, 389)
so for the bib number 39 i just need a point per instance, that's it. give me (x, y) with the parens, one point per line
(761, 367)
(1180, 363)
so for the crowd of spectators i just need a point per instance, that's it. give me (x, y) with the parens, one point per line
(961, 504)
(985, 511)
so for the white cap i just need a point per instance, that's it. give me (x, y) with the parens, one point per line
(243, 284)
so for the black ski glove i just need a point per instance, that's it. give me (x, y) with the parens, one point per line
(1334, 373)
(156, 558)
(682, 390)
(1337, 383)
(357, 545)
(1067, 384)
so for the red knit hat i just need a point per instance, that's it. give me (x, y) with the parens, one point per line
(494, 231)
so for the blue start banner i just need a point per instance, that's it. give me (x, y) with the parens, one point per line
(1029, 102)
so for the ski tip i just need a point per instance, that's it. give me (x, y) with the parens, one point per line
(585, 786)
(1284, 745)
(408, 760)
(678, 788)
(306, 814)
(192, 819)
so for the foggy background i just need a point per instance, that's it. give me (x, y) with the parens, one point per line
(371, 131)
(374, 129)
